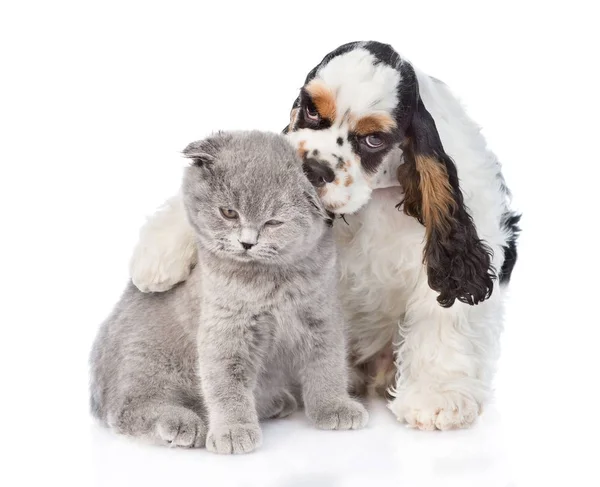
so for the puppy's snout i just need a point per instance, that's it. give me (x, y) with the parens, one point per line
(318, 173)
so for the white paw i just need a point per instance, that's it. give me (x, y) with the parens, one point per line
(153, 270)
(166, 251)
(435, 410)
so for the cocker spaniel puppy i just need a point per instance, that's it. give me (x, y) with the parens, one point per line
(427, 242)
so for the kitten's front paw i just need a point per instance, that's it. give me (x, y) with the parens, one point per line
(187, 431)
(343, 415)
(235, 438)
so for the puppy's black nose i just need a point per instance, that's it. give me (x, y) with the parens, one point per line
(247, 245)
(318, 173)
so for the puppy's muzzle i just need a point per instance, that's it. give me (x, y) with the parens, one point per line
(318, 173)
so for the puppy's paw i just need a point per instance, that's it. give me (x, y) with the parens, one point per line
(342, 415)
(234, 438)
(157, 268)
(436, 410)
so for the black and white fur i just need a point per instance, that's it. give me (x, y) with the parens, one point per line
(428, 243)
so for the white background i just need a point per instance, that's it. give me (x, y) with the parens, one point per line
(98, 98)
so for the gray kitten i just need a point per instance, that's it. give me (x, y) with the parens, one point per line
(256, 329)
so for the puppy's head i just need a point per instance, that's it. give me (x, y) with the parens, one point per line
(344, 124)
(359, 124)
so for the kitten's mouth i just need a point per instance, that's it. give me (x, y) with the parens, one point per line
(244, 255)
(247, 256)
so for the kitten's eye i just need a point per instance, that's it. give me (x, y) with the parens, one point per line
(374, 141)
(229, 214)
(311, 113)
(274, 223)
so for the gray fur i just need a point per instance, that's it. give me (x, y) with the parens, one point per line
(250, 335)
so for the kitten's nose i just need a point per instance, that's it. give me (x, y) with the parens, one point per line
(317, 172)
(248, 237)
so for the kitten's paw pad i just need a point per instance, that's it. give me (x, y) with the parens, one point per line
(152, 272)
(184, 430)
(439, 411)
(237, 438)
(345, 415)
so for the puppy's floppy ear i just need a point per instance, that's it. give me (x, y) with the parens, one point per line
(204, 152)
(458, 261)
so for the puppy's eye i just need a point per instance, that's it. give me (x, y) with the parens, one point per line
(374, 141)
(311, 113)
(273, 223)
(229, 214)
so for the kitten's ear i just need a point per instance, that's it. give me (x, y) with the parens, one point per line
(318, 207)
(203, 152)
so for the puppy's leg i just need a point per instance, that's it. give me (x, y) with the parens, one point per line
(446, 360)
(325, 380)
(166, 250)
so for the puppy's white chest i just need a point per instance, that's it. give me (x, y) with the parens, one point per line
(380, 258)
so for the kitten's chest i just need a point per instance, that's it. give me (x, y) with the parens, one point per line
(290, 332)
(273, 304)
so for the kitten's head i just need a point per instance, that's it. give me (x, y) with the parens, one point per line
(248, 199)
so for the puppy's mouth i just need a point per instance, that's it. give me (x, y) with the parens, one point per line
(332, 203)
(340, 200)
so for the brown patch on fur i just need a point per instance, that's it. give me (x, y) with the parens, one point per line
(349, 181)
(336, 181)
(323, 98)
(377, 122)
(322, 191)
(428, 195)
(384, 375)
(302, 149)
(376, 375)
(438, 199)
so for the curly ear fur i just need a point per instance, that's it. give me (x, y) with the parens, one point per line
(458, 261)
